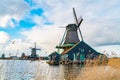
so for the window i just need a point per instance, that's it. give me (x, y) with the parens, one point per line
(82, 50)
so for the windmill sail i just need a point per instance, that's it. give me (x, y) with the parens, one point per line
(78, 22)
(75, 16)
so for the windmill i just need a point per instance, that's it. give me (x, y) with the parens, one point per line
(70, 37)
(73, 48)
(33, 51)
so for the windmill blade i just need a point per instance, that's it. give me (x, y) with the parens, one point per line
(38, 49)
(63, 38)
(80, 21)
(30, 47)
(62, 27)
(81, 34)
(75, 16)
(35, 44)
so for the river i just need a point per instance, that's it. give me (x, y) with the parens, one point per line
(36, 70)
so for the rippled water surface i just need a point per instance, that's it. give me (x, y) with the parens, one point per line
(36, 70)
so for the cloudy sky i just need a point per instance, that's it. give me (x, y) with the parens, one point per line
(23, 22)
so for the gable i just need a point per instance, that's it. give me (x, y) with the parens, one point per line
(82, 48)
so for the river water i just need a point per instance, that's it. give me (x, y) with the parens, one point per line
(36, 70)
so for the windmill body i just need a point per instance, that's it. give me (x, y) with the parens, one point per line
(71, 35)
(33, 52)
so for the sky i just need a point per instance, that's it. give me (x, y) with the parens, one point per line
(23, 22)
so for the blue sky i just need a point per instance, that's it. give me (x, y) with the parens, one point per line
(29, 21)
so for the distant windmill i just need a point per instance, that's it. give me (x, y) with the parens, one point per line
(70, 36)
(33, 51)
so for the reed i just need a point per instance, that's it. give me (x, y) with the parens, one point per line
(95, 72)
(114, 62)
(1, 66)
(99, 73)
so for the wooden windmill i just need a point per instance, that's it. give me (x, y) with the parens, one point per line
(74, 49)
(70, 37)
(33, 51)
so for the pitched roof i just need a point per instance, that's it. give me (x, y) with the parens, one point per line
(78, 45)
(54, 53)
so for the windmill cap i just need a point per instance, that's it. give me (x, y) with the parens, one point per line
(71, 27)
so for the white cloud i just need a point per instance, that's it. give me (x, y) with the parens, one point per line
(17, 47)
(38, 20)
(13, 9)
(110, 50)
(100, 25)
(47, 37)
(101, 32)
(5, 21)
(4, 37)
(101, 18)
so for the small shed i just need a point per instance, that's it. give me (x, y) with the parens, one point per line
(54, 58)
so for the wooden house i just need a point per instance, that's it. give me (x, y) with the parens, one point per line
(79, 53)
(54, 58)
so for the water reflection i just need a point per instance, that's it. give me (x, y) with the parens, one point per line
(36, 70)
